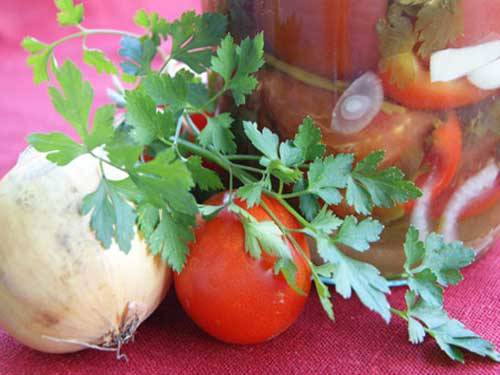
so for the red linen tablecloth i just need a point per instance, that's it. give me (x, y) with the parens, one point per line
(358, 343)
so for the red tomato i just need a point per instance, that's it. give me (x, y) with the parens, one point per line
(423, 94)
(229, 294)
(200, 120)
(336, 39)
(443, 160)
(481, 22)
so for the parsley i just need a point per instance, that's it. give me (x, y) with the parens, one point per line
(69, 14)
(192, 37)
(431, 265)
(237, 64)
(217, 134)
(112, 216)
(138, 55)
(99, 61)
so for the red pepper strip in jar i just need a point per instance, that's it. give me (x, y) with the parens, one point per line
(421, 93)
(444, 156)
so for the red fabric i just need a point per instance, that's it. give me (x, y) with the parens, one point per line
(358, 343)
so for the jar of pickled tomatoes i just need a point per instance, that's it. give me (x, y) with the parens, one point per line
(421, 82)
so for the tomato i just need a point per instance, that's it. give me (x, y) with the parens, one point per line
(229, 294)
(335, 39)
(200, 120)
(481, 20)
(421, 93)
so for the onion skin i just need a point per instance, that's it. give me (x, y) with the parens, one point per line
(56, 281)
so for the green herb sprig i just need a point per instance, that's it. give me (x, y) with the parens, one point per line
(158, 197)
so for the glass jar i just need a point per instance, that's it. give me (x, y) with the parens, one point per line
(420, 82)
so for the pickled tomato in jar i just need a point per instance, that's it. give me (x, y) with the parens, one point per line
(420, 82)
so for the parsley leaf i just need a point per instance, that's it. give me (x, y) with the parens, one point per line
(158, 26)
(138, 55)
(148, 217)
(75, 98)
(205, 178)
(450, 334)
(308, 203)
(217, 134)
(38, 63)
(122, 150)
(97, 59)
(170, 238)
(69, 14)
(112, 216)
(326, 221)
(358, 236)
(60, 148)
(251, 193)
(349, 274)
(446, 259)
(147, 122)
(266, 141)
(237, 64)
(167, 181)
(33, 45)
(102, 131)
(367, 186)
(433, 264)
(194, 35)
(308, 139)
(178, 92)
(327, 176)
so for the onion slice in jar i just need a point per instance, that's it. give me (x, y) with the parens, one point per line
(453, 63)
(420, 215)
(470, 190)
(486, 77)
(358, 105)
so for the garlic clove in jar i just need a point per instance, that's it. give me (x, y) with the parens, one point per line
(60, 291)
(453, 63)
(358, 105)
(486, 77)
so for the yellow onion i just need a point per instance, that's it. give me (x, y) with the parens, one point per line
(60, 291)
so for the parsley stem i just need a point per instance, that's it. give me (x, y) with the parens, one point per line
(243, 157)
(281, 187)
(294, 194)
(398, 276)
(292, 210)
(399, 313)
(102, 160)
(291, 238)
(86, 32)
(248, 168)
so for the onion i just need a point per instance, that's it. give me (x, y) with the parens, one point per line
(450, 64)
(420, 215)
(471, 189)
(486, 77)
(358, 105)
(60, 291)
